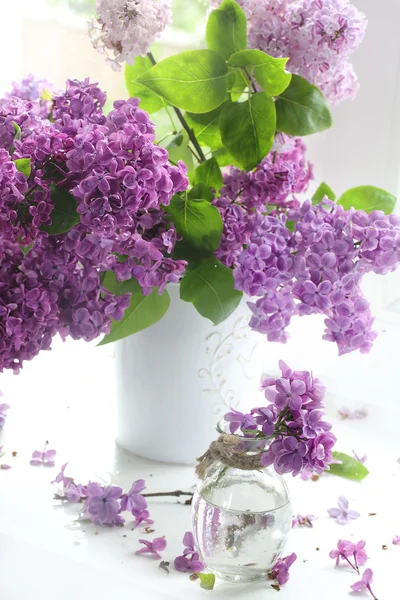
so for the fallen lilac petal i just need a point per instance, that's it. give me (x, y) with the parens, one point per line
(396, 540)
(346, 413)
(365, 582)
(4, 467)
(361, 459)
(343, 514)
(305, 520)
(154, 547)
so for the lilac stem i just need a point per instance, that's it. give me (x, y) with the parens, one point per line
(352, 566)
(371, 592)
(175, 494)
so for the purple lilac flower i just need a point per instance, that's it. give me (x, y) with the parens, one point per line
(5, 467)
(45, 457)
(142, 517)
(120, 179)
(303, 520)
(102, 505)
(318, 268)
(3, 413)
(396, 540)
(287, 455)
(365, 583)
(238, 420)
(154, 548)
(133, 501)
(346, 550)
(280, 571)
(343, 514)
(189, 561)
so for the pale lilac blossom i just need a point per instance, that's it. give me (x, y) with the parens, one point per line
(343, 514)
(396, 540)
(154, 548)
(361, 459)
(46, 457)
(365, 583)
(303, 520)
(5, 467)
(125, 29)
(359, 413)
(102, 504)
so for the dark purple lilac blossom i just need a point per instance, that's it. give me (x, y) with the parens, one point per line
(300, 440)
(280, 571)
(120, 180)
(189, 562)
(154, 548)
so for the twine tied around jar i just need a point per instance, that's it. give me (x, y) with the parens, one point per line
(228, 450)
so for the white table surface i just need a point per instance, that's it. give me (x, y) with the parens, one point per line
(66, 396)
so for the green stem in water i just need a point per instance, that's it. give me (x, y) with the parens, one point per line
(181, 118)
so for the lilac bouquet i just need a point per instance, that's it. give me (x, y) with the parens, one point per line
(97, 218)
(293, 421)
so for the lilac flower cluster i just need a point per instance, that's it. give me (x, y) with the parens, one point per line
(318, 36)
(271, 187)
(119, 178)
(293, 420)
(355, 556)
(125, 29)
(189, 562)
(317, 268)
(103, 505)
(37, 91)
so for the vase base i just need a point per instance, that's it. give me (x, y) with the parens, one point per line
(154, 456)
(241, 575)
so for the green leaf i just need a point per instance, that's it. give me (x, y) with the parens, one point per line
(26, 249)
(268, 71)
(17, 130)
(178, 149)
(206, 128)
(209, 173)
(227, 29)
(223, 158)
(350, 468)
(368, 198)
(194, 80)
(322, 191)
(248, 129)
(149, 101)
(197, 221)
(210, 289)
(207, 580)
(142, 312)
(238, 85)
(202, 191)
(64, 215)
(118, 287)
(302, 109)
(23, 165)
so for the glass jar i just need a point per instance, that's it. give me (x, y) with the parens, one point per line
(241, 518)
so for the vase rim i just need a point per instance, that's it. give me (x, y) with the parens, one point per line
(223, 428)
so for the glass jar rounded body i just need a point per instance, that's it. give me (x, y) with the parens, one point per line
(241, 519)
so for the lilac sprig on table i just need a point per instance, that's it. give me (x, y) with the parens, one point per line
(293, 421)
(355, 556)
(103, 505)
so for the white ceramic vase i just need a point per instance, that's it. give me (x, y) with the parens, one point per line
(177, 378)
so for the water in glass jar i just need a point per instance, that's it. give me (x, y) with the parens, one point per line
(241, 528)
